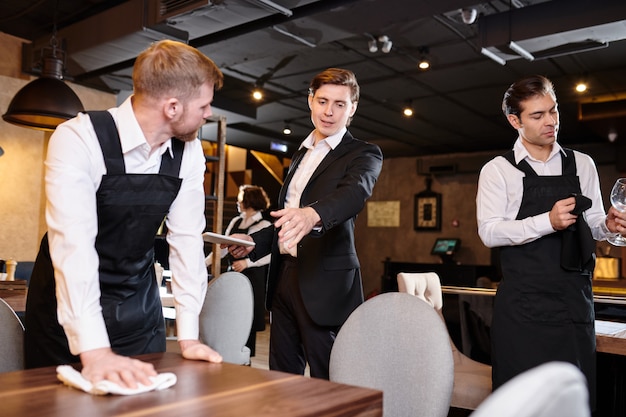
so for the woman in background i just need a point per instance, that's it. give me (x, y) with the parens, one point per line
(251, 202)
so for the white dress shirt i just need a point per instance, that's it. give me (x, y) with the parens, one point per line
(499, 197)
(315, 154)
(74, 168)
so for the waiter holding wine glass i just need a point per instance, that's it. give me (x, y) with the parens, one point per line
(541, 206)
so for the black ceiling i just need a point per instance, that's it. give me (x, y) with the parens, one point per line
(456, 101)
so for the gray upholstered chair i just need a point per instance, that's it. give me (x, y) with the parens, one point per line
(226, 317)
(398, 344)
(553, 389)
(11, 339)
(472, 379)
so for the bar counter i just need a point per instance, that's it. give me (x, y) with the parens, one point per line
(606, 343)
(203, 389)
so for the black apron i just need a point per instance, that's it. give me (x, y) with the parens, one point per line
(130, 208)
(542, 311)
(258, 280)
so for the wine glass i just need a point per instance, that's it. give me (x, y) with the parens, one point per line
(618, 200)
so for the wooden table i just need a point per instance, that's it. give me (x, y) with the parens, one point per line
(17, 299)
(203, 389)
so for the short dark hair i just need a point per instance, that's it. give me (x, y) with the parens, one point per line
(254, 197)
(522, 90)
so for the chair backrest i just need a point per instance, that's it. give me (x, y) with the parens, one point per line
(472, 379)
(226, 317)
(398, 344)
(425, 285)
(11, 339)
(551, 389)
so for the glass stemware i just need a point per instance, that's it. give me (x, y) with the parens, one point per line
(618, 200)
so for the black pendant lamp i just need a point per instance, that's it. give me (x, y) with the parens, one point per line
(47, 101)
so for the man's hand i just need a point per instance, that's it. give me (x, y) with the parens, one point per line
(101, 364)
(561, 216)
(295, 223)
(193, 349)
(616, 221)
(236, 250)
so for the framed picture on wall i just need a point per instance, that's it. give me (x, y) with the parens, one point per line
(427, 211)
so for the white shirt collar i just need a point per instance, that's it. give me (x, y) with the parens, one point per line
(131, 135)
(332, 141)
(521, 152)
(255, 216)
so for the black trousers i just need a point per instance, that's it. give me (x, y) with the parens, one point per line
(295, 339)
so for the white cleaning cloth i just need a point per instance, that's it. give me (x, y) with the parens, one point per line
(71, 377)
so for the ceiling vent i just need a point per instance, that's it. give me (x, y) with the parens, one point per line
(119, 34)
(165, 9)
(115, 35)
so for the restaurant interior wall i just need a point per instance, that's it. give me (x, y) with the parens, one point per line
(22, 201)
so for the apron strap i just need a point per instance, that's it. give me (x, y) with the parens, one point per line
(569, 163)
(171, 166)
(109, 140)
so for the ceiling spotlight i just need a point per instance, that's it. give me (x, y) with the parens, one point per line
(581, 87)
(424, 60)
(612, 136)
(469, 15)
(286, 130)
(257, 94)
(407, 111)
(386, 43)
(372, 46)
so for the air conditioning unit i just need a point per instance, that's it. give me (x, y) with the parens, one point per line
(602, 108)
(451, 164)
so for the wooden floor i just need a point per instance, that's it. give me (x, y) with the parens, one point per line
(261, 357)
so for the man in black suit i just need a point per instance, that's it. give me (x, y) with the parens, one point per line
(314, 278)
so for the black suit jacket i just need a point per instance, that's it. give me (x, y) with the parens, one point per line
(328, 268)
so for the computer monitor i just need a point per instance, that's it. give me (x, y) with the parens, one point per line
(445, 246)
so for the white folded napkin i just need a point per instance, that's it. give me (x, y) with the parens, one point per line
(71, 377)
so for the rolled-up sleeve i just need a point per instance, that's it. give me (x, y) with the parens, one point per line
(498, 201)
